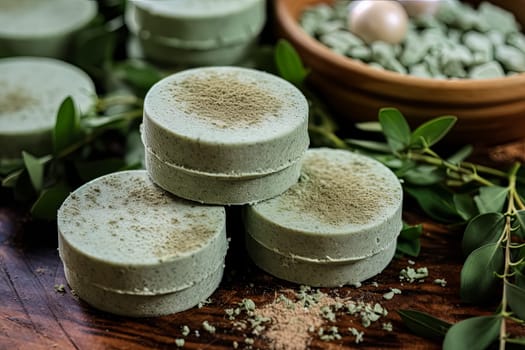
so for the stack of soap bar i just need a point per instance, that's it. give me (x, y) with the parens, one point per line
(132, 249)
(224, 135)
(31, 91)
(42, 28)
(205, 32)
(338, 225)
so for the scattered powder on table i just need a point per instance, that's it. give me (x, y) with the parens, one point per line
(14, 100)
(294, 319)
(226, 100)
(341, 192)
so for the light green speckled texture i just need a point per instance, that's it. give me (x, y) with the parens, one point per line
(122, 233)
(31, 91)
(318, 274)
(206, 22)
(220, 189)
(282, 224)
(263, 147)
(141, 305)
(42, 28)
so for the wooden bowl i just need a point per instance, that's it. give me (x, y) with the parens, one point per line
(489, 111)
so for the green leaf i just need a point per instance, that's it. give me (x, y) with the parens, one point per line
(478, 275)
(473, 333)
(436, 201)
(460, 155)
(93, 169)
(135, 150)
(138, 74)
(11, 179)
(483, 229)
(67, 126)
(408, 240)
(35, 169)
(8, 166)
(373, 146)
(423, 175)
(289, 64)
(491, 198)
(432, 131)
(369, 126)
(408, 247)
(520, 219)
(395, 128)
(465, 205)
(423, 324)
(516, 299)
(49, 201)
(520, 341)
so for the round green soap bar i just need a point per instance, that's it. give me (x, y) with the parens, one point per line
(144, 305)
(345, 207)
(318, 274)
(42, 27)
(31, 91)
(207, 188)
(241, 129)
(125, 235)
(203, 24)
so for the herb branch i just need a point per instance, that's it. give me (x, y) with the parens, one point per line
(488, 201)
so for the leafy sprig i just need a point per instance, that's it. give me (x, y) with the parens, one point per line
(452, 190)
(80, 153)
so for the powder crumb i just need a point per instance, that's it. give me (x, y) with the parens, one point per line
(358, 335)
(197, 333)
(387, 326)
(185, 330)
(441, 281)
(60, 288)
(375, 284)
(208, 327)
(357, 284)
(226, 100)
(235, 345)
(180, 342)
(412, 275)
(204, 302)
(411, 262)
(389, 295)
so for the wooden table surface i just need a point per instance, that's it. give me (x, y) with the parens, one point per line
(35, 315)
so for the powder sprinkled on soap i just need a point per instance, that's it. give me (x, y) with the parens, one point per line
(14, 100)
(342, 190)
(226, 100)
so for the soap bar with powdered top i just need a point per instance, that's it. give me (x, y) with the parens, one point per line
(31, 91)
(241, 129)
(345, 208)
(122, 237)
(42, 27)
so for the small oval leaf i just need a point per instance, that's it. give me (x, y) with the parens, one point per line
(436, 201)
(516, 299)
(35, 169)
(395, 128)
(473, 333)
(67, 125)
(289, 64)
(482, 229)
(491, 198)
(423, 324)
(432, 131)
(478, 279)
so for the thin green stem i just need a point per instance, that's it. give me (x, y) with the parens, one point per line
(472, 174)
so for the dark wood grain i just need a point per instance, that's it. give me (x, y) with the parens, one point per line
(34, 315)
